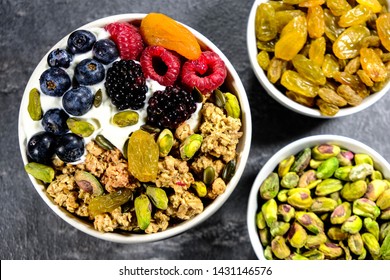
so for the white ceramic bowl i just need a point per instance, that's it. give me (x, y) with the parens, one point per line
(292, 149)
(235, 85)
(280, 96)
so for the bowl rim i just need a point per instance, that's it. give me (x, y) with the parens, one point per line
(132, 238)
(282, 98)
(291, 149)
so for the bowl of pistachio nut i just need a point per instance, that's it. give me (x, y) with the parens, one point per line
(321, 197)
(322, 59)
(134, 128)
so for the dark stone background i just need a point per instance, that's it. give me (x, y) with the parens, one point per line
(29, 230)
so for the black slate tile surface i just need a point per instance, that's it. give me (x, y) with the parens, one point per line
(29, 230)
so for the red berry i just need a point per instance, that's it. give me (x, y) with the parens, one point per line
(127, 38)
(160, 65)
(206, 73)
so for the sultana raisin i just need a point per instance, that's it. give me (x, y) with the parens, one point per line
(349, 95)
(317, 51)
(143, 153)
(308, 69)
(263, 59)
(358, 15)
(383, 28)
(353, 81)
(353, 65)
(374, 5)
(295, 82)
(365, 78)
(280, 6)
(349, 42)
(371, 41)
(330, 66)
(301, 99)
(315, 22)
(275, 69)
(108, 202)
(311, 3)
(372, 65)
(338, 7)
(284, 17)
(332, 29)
(265, 23)
(326, 108)
(266, 46)
(295, 31)
(331, 97)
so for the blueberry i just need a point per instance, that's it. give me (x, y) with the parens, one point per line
(59, 58)
(78, 101)
(81, 41)
(89, 72)
(105, 51)
(41, 147)
(54, 81)
(70, 147)
(54, 121)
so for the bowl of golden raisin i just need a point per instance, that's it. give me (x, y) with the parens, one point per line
(134, 128)
(321, 58)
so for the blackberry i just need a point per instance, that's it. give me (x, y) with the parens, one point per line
(125, 85)
(171, 107)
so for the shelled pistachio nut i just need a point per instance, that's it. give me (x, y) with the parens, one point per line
(384, 231)
(299, 198)
(323, 204)
(143, 211)
(331, 250)
(285, 165)
(355, 243)
(265, 237)
(342, 172)
(372, 227)
(365, 208)
(352, 225)
(190, 146)
(354, 190)
(270, 186)
(360, 171)
(310, 221)
(286, 211)
(290, 180)
(165, 142)
(345, 158)
(260, 221)
(200, 188)
(338, 234)
(280, 248)
(384, 251)
(314, 255)
(34, 107)
(268, 253)
(341, 213)
(313, 241)
(158, 197)
(125, 118)
(232, 106)
(279, 228)
(282, 195)
(270, 212)
(374, 189)
(325, 151)
(297, 236)
(302, 161)
(328, 186)
(363, 158)
(372, 244)
(309, 180)
(40, 171)
(80, 127)
(383, 201)
(327, 168)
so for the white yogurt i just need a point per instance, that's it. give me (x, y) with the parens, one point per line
(100, 117)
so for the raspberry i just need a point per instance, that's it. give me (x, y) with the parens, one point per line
(171, 107)
(206, 73)
(160, 65)
(127, 38)
(125, 85)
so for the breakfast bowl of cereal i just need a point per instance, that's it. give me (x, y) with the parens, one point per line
(322, 59)
(321, 197)
(134, 128)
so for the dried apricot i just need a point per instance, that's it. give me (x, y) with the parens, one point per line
(143, 153)
(161, 30)
(295, 31)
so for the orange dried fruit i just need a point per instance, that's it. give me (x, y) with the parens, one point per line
(161, 30)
